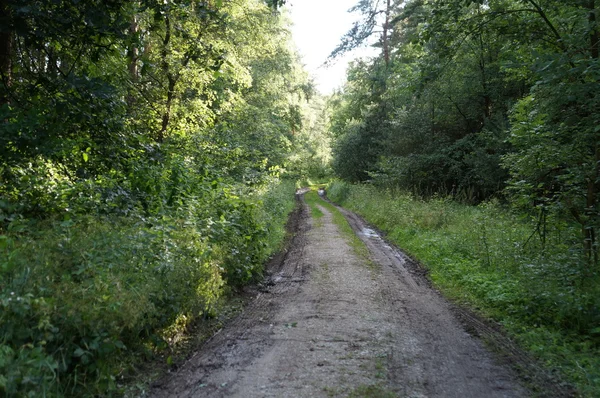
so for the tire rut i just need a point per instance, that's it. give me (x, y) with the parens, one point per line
(282, 273)
(415, 276)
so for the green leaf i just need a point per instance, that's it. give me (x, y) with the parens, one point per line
(79, 352)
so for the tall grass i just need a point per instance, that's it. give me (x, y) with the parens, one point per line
(492, 259)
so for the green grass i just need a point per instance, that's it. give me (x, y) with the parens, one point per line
(312, 182)
(275, 203)
(314, 201)
(485, 256)
(371, 391)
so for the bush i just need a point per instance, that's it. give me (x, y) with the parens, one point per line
(82, 300)
(338, 191)
(77, 295)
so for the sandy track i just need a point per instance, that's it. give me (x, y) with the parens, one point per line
(330, 323)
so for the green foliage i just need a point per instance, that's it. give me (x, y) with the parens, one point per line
(338, 191)
(541, 291)
(312, 153)
(432, 115)
(78, 296)
(141, 145)
(350, 158)
(428, 119)
(276, 202)
(554, 167)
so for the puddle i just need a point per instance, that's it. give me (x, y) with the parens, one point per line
(370, 233)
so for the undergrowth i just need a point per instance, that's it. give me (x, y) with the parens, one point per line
(488, 257)
(84, 300)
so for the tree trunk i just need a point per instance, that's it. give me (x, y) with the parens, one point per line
(167, 115)
(432, 117)
(171, 78)
(594, 34)
(133, 50)
(6, 44)
(592, 186)
(591, 212)
(487, 100)
(385, 36)
(133, 55)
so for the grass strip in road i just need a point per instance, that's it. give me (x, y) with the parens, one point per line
(314, 202)
(312, 199)
(372, 390)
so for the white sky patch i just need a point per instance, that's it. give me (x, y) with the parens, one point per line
(318, 27)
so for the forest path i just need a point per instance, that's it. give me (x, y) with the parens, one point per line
(330, 322)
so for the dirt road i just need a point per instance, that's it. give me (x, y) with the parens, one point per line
(330, 322)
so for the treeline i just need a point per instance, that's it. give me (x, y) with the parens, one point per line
(142, 147)
(492, 103)
(478, 99)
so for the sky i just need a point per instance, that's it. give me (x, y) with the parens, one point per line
(318, 26)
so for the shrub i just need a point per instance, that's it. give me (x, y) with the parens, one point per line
(82, 300)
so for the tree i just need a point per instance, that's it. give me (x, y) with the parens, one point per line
(5, 51)
(374, 16)
(472, 82)
(555, 165)
(83, 113)
(440, 98)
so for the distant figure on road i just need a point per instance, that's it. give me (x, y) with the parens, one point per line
(321, 192)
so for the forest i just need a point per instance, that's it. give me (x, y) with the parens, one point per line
(474, 137)
(150, 151)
